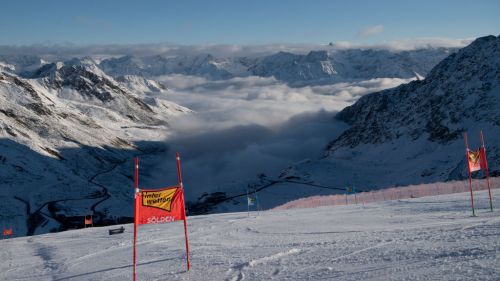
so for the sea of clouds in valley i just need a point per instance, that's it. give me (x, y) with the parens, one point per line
(246, 126)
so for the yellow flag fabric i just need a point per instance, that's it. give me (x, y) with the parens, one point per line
(474, 160)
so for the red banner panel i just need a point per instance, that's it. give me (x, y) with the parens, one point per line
(159, 205)
(88, 220)
(482, 156)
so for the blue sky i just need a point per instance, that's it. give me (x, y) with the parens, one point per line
(242, 22)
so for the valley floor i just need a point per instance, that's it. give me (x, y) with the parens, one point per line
(429, 238)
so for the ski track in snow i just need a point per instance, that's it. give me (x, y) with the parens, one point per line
(264, 260)
(362, 250)
(433, 238)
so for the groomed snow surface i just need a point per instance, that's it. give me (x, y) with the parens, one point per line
(428, 238)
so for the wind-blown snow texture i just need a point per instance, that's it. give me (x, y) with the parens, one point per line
(430, 238)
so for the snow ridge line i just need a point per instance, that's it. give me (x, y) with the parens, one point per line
(363, 250)
(264, 260)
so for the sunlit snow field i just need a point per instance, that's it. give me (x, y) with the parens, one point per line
(429, 238)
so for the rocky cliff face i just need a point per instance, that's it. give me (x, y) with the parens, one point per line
(461, 90)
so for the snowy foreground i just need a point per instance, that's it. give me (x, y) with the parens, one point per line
(430, 238)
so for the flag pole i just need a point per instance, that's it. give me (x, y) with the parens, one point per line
(257, 201)
(136, 190)
(346, 190)
(179, 174)
(470, 176)
(248, 204)
(486, 169)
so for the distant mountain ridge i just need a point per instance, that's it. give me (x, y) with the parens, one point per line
(315, 67)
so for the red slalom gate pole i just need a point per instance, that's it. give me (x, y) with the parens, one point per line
(179, 174)
(486, 170)
(136, 190)
(470, 176)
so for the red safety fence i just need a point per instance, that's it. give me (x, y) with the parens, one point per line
(394, 193)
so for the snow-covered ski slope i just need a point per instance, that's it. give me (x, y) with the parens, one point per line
(429, 238)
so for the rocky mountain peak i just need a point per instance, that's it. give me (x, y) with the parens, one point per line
(317, 56)
(462, 88)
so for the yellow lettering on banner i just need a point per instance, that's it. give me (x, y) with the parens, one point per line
(474, 157)
(158, 199)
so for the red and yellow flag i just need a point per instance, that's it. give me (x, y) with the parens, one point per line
(474, 159)
(7, 232)
(159, 205)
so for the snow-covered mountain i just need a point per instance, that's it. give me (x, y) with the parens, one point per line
(200, 65)
(316, 67)
(414, 133)
(21, 63)
(66, 135)
(345, 65)
(141, 84)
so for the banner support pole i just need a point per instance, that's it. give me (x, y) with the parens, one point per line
(346, 196)
(257, 201)
(486, 170)
(248, 204)
(470, 176)
(136, 190)
(179, 174)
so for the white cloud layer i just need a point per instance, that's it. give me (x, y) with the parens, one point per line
(371, 30)
(246, 126)
(52, 52)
